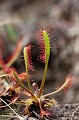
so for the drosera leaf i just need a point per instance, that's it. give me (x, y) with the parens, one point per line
(43, 45)
(28, 58)
(67, 84)
(8, 71)
(47, 44)
(28, 63)
(3, 65)
(44, 42)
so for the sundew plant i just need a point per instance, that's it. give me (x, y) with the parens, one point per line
(37, 101)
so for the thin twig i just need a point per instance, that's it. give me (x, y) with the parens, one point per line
(74, 112)
(20, 118)
(9, 116)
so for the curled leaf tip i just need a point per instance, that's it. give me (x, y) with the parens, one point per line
(68, 82)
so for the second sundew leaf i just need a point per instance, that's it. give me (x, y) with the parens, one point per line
(28, 63)
(45, 48)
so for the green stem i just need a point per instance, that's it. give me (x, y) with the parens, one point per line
(56, 91)
(44, 78)
(23, 86)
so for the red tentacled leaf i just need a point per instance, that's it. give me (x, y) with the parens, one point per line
(42, 55)
(28, 52)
